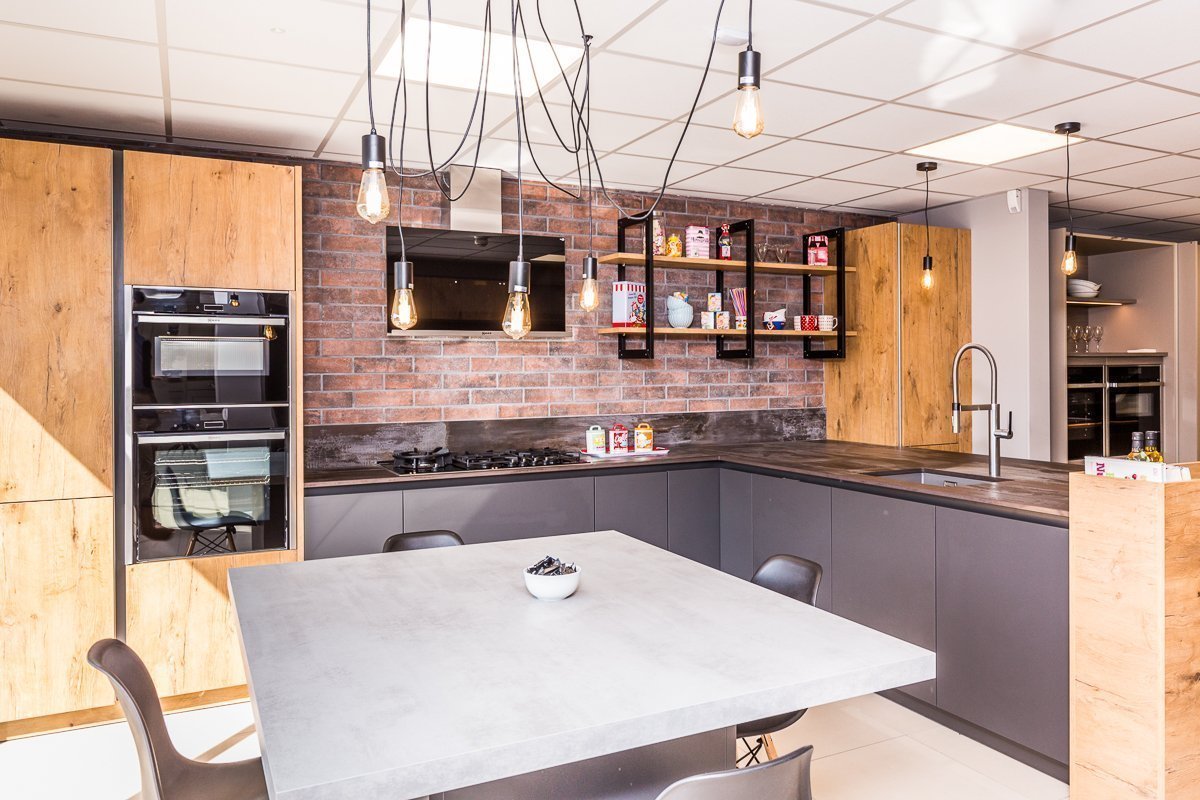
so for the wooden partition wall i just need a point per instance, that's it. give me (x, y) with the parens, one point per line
(1135, 639)
(894, 387)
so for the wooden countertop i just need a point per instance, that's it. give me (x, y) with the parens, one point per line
(1038, 489)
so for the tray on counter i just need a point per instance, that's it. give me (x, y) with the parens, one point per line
(658, 451)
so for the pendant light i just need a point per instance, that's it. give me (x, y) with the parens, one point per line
(517, 320)
(404, 309)
(927, 262)
(748, 116)
(589, 291)
(1070, 262)
(373, 204)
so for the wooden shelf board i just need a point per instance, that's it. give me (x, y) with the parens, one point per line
(1098, 302)
(763, 267)
(702, 332)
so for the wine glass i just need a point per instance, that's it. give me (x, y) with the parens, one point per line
(1086, 337)
(1073, 334)
(763, 250)
(781, 253)
(1097, 335)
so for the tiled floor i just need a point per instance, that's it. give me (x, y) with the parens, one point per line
(865, 749)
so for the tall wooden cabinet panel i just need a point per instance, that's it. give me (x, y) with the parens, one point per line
(55, 309)
(180, 621)
(208, 222)
(893, 387)
(56, 599)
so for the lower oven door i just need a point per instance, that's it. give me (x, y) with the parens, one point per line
(199, 494)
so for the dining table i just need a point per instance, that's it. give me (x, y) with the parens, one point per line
(435, 673)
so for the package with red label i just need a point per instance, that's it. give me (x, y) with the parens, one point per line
(818, 250)
(629, 305)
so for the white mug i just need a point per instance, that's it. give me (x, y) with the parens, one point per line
(826, 322)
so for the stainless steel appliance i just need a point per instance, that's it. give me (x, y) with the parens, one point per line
(208, 437)
(1108, 398)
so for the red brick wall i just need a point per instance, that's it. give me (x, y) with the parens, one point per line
(353, 372)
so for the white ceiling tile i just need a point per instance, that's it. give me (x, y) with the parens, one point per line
(1183, 78)
(985, 180)
(451, 107)
(1148, 173)
(315, 33)
(1060, 214)
(129, 19)
(80, 108)
(1119, 109)
(248, 126)
(1079, 189)
(608, 130)
(1013, 23)
(1174, 136)
(559, 17)
(642, 170)
(651, 88)
(1155, 227)
(892, 127)
(680, 31)
(257, 84)
(896, 170)
(899, 201)
(1122, 200)
(731, 180)
(1085, 157)
(1099, 222)
(1183, 207)
(1191, 219)
(347, 140)
(68, 59)
(801, 157)
(866, 6)
(788, 110)
(1155, 37)
(1001, 90)
(1187, 186)
(824, 192)
(914, 59)
(702, 144)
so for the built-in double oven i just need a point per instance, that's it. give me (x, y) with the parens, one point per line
(209, 376)
(1108, 399)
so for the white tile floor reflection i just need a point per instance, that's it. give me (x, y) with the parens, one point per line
(865, 749)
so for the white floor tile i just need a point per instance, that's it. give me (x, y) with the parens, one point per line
(1026, 781)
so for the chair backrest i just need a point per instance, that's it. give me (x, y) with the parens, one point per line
(796, 577)
(160, 761)
(786, 778)
(421, 540)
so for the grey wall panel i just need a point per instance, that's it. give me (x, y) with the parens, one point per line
(884, 554)
(737, 540)
(635, 504)
(351, 524)
(502, 511)
(1003, 658)
(694, 514)
(790, 516)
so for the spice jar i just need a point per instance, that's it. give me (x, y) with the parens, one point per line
(643, 438)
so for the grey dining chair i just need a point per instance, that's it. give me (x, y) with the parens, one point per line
(797, 578)
(787, 778)
(166, 774)
(421, 540)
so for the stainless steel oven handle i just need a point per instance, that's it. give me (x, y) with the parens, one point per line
(241, 436)
(1085, 385)
(196, 318)
(1135, 385)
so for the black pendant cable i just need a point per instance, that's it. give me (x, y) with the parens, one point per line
(372, 202)
(403, 311)
(1070, 261)
(517, 320)
(589, 291)
(927, 262)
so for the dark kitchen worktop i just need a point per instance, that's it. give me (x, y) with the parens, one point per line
(1037, 490)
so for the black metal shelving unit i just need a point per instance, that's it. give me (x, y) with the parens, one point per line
(837, 235)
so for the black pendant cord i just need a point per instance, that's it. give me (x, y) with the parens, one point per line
(750, 28)
(370, 72)
(1070, 214)
(927, 213)
(587, 104)
(516, 7)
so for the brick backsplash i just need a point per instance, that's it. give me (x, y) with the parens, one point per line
(355, 373)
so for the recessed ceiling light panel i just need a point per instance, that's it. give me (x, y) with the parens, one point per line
(992, 145)
(458, 50)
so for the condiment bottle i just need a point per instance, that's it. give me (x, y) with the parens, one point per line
(725, 244)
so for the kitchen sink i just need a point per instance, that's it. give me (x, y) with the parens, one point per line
(929, 477)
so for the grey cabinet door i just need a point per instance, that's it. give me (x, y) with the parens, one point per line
(737, 525)
(694, 514)
(351, 524)
(1002, 627)
(789, 516)
(501, 511)
(635, 504)
(884, 553)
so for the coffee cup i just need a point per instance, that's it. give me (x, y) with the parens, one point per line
(805, 322)
(825, 322)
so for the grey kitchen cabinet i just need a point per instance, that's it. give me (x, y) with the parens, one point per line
(694, 514)
(1002, 651)
(789, 516)
(884, 553)
(737, 535)
(351, 524)
(494, 512)
(635, 504)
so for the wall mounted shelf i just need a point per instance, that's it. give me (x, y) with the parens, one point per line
(1098, 302)
(710, 264)
(697, 333)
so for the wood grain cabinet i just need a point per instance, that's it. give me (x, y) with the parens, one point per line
(208, 222)
(56, 385)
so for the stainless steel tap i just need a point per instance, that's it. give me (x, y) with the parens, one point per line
(993, 409)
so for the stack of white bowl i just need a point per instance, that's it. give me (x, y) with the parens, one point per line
(1078, 287)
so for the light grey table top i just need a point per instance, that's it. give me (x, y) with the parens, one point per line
(405, 674)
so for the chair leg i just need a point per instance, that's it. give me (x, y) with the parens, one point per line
(229, 538)
(751, 755)
(769, 747)
(191, 548)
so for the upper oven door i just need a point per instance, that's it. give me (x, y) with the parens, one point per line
(188, 360)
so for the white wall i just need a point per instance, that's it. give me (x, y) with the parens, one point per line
(1009, 311)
